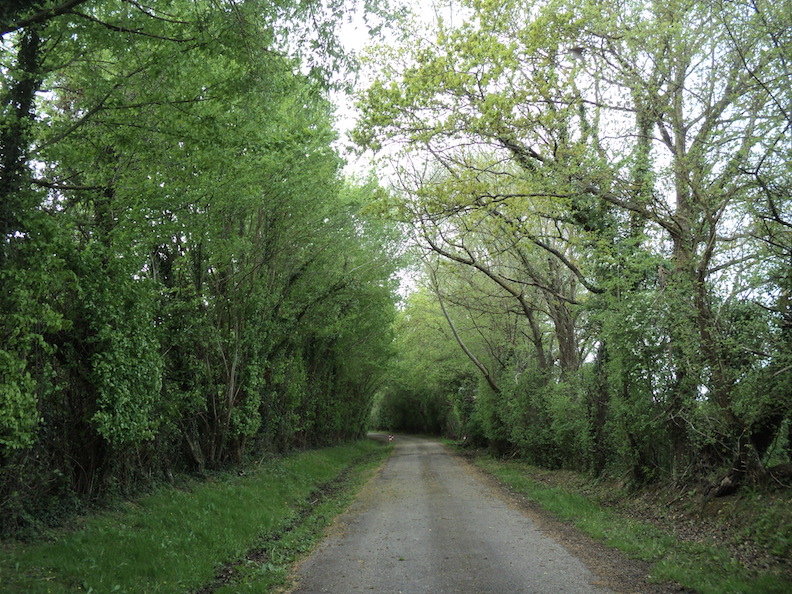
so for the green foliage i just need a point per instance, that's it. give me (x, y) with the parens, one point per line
(773, 528)
(189, 277)
(118, 353)
(428, 379)
(18, 414)
(602, 205)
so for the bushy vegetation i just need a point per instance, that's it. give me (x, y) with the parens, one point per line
(246, 527)
(694, 563)
(186, 278)
(600, 197)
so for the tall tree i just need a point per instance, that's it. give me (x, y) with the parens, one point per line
(172, 205)
(642, 128)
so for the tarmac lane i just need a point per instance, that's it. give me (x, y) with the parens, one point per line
(428, 523)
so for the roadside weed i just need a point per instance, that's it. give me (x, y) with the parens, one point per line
(703, 568)
(176, 541)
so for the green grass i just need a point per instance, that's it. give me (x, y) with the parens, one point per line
(176, 540)
(705, 569)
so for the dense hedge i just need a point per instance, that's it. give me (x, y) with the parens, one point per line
(186, 278)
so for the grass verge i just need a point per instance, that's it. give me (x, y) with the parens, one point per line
(231, 533)
(702, 568)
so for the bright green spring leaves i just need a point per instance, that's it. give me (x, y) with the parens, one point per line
(186, 275)
(611, 180)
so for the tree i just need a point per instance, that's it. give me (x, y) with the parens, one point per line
(639, 131)
(430, 385)
(172, 206)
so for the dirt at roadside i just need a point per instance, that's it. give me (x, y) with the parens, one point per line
(726, 522)
(613, 568)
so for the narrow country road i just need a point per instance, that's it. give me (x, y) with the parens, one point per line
(428, 523)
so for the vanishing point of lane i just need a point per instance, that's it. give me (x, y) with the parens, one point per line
(427, 523)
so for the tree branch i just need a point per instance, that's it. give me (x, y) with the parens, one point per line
(64, 187)
(120, 29)
(39, 17)
(481, 367)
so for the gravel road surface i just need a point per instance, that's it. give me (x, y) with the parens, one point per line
(428, 523)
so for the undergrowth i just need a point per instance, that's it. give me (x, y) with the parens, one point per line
(199, 539)
(702, 567)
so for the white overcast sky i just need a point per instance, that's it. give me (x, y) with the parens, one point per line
(355, 37)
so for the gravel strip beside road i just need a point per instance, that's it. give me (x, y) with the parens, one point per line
(427, 523)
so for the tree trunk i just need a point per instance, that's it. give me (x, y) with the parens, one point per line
(18, 103)
(599, 401)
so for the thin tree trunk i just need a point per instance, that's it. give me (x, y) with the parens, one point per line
(481, 367)
(18, 103)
